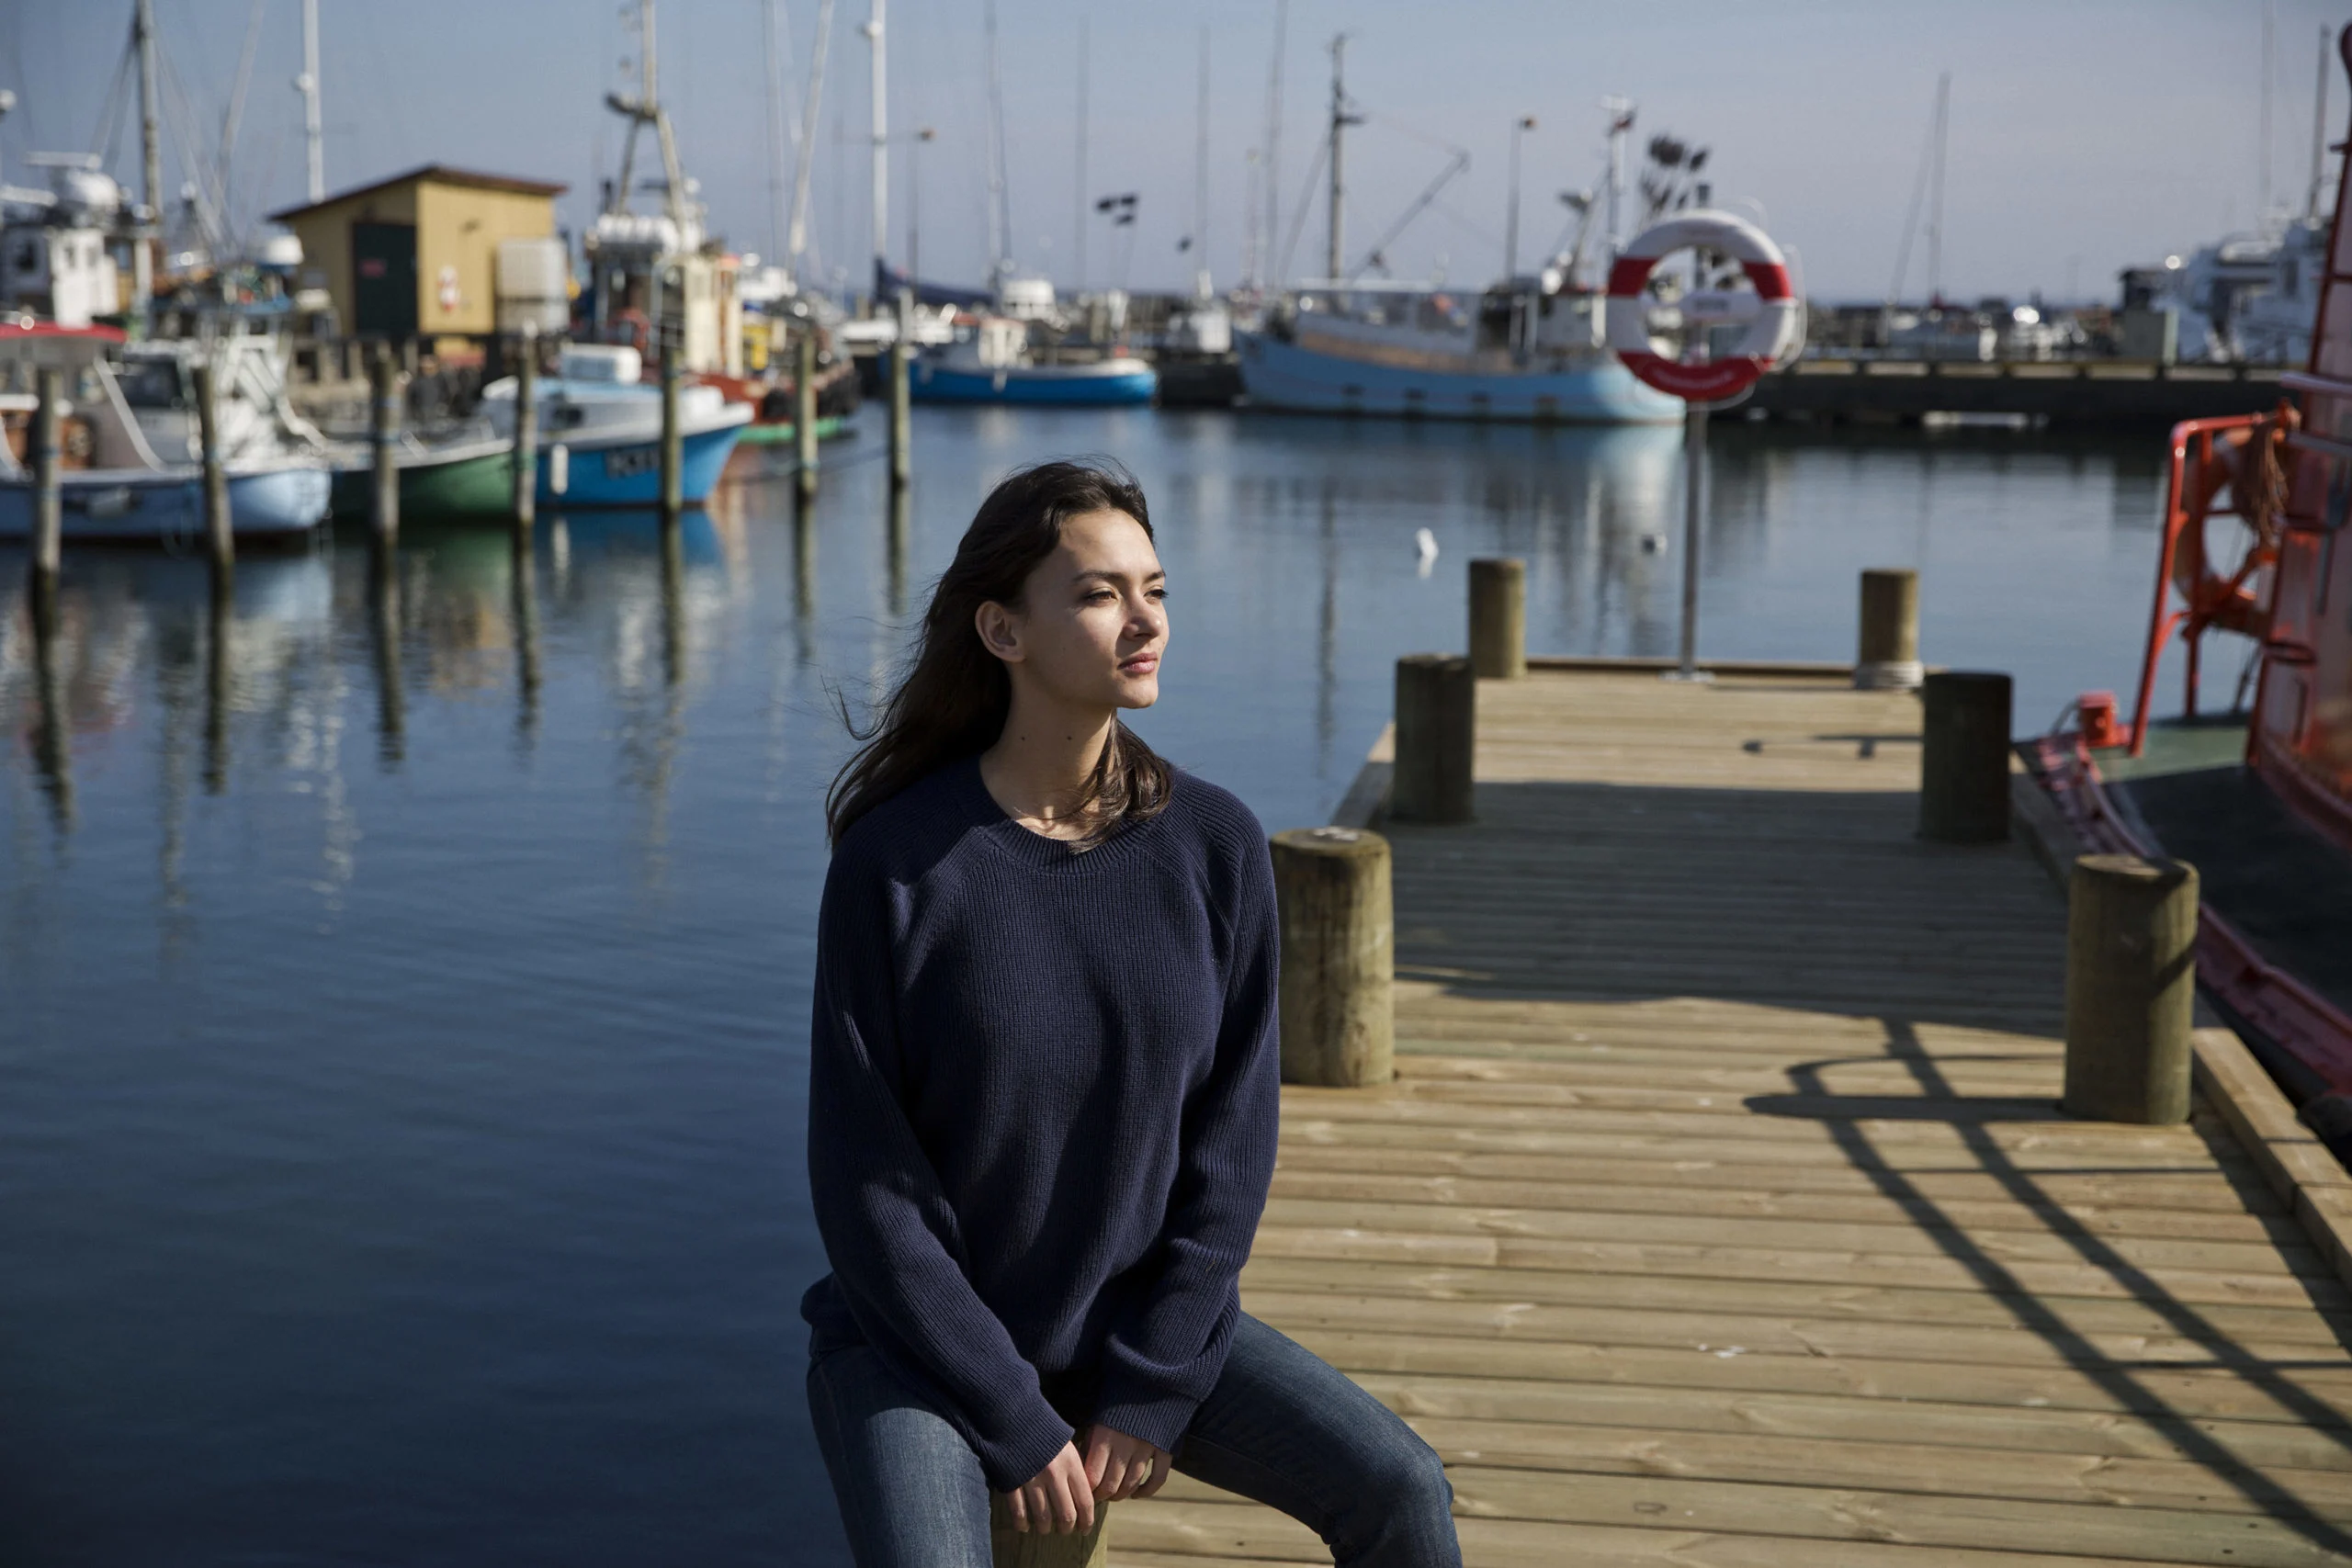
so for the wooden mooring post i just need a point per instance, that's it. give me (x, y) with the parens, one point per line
(1012, 1548)
(384, 432)
(1339, 948)
(527, 429)
(673, 442)
(1964, 762)
(1887, 655)
(804, 408)
(49, 485)
(1498, 619)
(219, 539)
(1437, 708)
(2130, 989)
(903, 348)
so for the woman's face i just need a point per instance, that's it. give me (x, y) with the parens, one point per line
(1092, 620)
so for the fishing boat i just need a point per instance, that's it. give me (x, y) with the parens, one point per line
(600, 430)
(2258, 797)
(133, 469)
(991, 362)
(470, 473)
(1519, 352)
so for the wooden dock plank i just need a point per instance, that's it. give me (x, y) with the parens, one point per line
(1720, 1214)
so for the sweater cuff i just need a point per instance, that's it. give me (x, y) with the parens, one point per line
(1012, 1458)
(1157, 1419)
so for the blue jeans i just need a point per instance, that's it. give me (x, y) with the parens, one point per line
(1282, 1426)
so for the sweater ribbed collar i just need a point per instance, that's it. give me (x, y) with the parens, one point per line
(1035, 850)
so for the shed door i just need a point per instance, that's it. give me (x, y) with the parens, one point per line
(383, 284)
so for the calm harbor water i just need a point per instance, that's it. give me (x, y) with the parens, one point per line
(403, 1000)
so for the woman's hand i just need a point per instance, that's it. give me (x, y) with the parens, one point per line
(1120, 1466)
(1058, 1500)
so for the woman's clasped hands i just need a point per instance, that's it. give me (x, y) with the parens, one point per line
(1060, 1499)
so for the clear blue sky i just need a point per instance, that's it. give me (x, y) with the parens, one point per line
(2086, 134)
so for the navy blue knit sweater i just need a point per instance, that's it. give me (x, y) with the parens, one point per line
(1042, 1093)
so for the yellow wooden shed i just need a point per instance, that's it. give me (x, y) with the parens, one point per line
(416, 256)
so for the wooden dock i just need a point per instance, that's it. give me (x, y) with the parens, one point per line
(1719, 1213)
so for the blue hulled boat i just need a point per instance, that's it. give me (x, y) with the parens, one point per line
(993, 364)
(600, 431)
(1521, 353)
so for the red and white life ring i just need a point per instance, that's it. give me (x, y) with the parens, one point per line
(1769, 329)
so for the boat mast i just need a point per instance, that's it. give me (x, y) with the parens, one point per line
(999, 209)
(150, 157)
(2269, 20)
(778, 124)
(1202, 287)
(1340, 121)
(1085, 52)
(672, 179)
(313, 120)
(1621, 124)
(2319, 122)
(875, 47)
(1274, 140)
(797, 242)
(1936, 207)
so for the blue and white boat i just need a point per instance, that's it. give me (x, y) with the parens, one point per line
(991, 364)
(600, 430)
(133, 426)
(1524, 352)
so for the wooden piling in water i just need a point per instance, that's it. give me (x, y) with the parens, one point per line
(1887, 655)
(219, 538)
(49, 485)
(1498, 619)
(527, 430)
(1965, 765)
(2130, 989)
(902, 460)
(673, 442)
(804, 407)
(1339, 951)
(384, 432)
(1437, 705)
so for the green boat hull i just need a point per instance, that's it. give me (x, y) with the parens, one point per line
(480, 486)
(757, 434)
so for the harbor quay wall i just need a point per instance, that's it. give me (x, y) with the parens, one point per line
(2056, 392)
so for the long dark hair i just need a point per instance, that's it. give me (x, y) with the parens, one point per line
(954, 698)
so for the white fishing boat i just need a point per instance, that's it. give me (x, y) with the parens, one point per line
(133, 457)
(1530, 348)
(1519, 352)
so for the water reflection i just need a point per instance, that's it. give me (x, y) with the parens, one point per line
(52, 759)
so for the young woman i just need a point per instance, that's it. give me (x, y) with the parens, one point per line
(1044, 1086)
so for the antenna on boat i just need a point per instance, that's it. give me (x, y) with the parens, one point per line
(876, 43)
